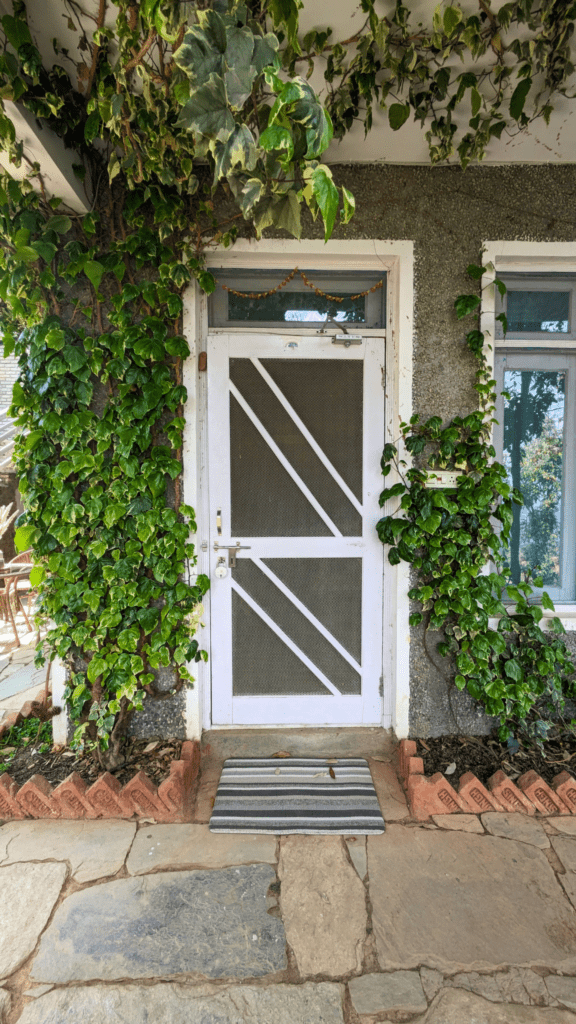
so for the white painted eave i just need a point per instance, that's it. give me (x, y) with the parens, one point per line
(42, 146)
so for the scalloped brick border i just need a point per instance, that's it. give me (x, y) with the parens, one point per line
(172, 800)
(435, 795)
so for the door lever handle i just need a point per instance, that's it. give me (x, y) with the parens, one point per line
(231, 549)
(219, 521)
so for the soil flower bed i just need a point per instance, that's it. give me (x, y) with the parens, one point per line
(484, 755)
(33, 756)
(157, 779)
(470, 774)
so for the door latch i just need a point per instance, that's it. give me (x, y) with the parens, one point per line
(231, 549)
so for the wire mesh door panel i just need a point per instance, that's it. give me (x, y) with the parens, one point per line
(296, 618)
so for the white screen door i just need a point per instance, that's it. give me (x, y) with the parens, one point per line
(295, 428)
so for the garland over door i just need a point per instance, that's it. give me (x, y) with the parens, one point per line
(295, 437)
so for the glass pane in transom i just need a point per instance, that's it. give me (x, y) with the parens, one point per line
(297, 298)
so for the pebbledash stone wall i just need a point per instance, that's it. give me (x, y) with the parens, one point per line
(435, 795)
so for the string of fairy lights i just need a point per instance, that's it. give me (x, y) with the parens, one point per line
(307, 282)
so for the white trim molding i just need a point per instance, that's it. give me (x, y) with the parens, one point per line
(524, 257)
(396, 259)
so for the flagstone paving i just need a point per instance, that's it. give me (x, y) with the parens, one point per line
(179, 1004)
(213, 923)
(94, 849)
(461, 901)
(166, 847)
(129, 922)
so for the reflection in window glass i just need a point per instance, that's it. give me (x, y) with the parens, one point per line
(533, 456)
(538, 312)
(288, 306)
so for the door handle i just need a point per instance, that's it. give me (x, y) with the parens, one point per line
(231, 549)
(219, 521)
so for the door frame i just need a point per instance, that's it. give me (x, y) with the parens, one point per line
(396, 259)
(360, 709)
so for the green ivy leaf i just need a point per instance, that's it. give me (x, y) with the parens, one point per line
(513, 670)
(23, 537)
(398, 114)
(519, 98)
(206, 112)
(466, 304)
(61, 224)
(94, 272)
(326, 195)
(349, 206)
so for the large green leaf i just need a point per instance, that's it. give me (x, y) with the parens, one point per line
(252, 192)
(239, 85)
(349, 205)
(60, 224)
(239, 47)
(326, 195)
(207, 113)
(240, 149)
(94, 272)
(197, 58)
(286, 214)
(16, 31)
(519, 98)
(275, 137)
(398, 114)
(214, 28)
(265, 51)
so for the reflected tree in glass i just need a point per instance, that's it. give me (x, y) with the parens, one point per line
(533, 455)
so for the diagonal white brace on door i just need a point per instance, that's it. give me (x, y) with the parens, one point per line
(308, 614)
(306, 433)
(283, 460)
(284, 638)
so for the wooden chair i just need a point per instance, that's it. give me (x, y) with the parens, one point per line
(21, 585)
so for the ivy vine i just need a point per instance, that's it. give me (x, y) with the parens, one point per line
(192, 122)
(517, 61)
(452, 537)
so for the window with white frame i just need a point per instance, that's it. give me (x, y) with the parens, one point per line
(535, 367)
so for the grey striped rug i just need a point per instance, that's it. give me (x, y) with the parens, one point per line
(296, 795)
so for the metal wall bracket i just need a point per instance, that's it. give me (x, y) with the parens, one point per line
(347, 339)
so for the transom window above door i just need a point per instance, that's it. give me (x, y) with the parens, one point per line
(538, 306)
(297, 298)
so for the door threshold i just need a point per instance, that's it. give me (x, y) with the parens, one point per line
(334, 741)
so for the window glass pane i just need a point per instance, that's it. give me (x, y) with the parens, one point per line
(307, 299)
(538, 312)
(533, 456)
(297, 307)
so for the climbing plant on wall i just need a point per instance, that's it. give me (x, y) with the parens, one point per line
(450, 537)
(191, 121)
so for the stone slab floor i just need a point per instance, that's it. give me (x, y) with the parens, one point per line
(464, 921)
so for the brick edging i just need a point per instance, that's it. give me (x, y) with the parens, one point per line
(435, 795)
(171, 801)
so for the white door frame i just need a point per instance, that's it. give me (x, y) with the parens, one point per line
(396, 258)
(301, 710)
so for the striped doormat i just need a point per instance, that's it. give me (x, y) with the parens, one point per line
(303, 795)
